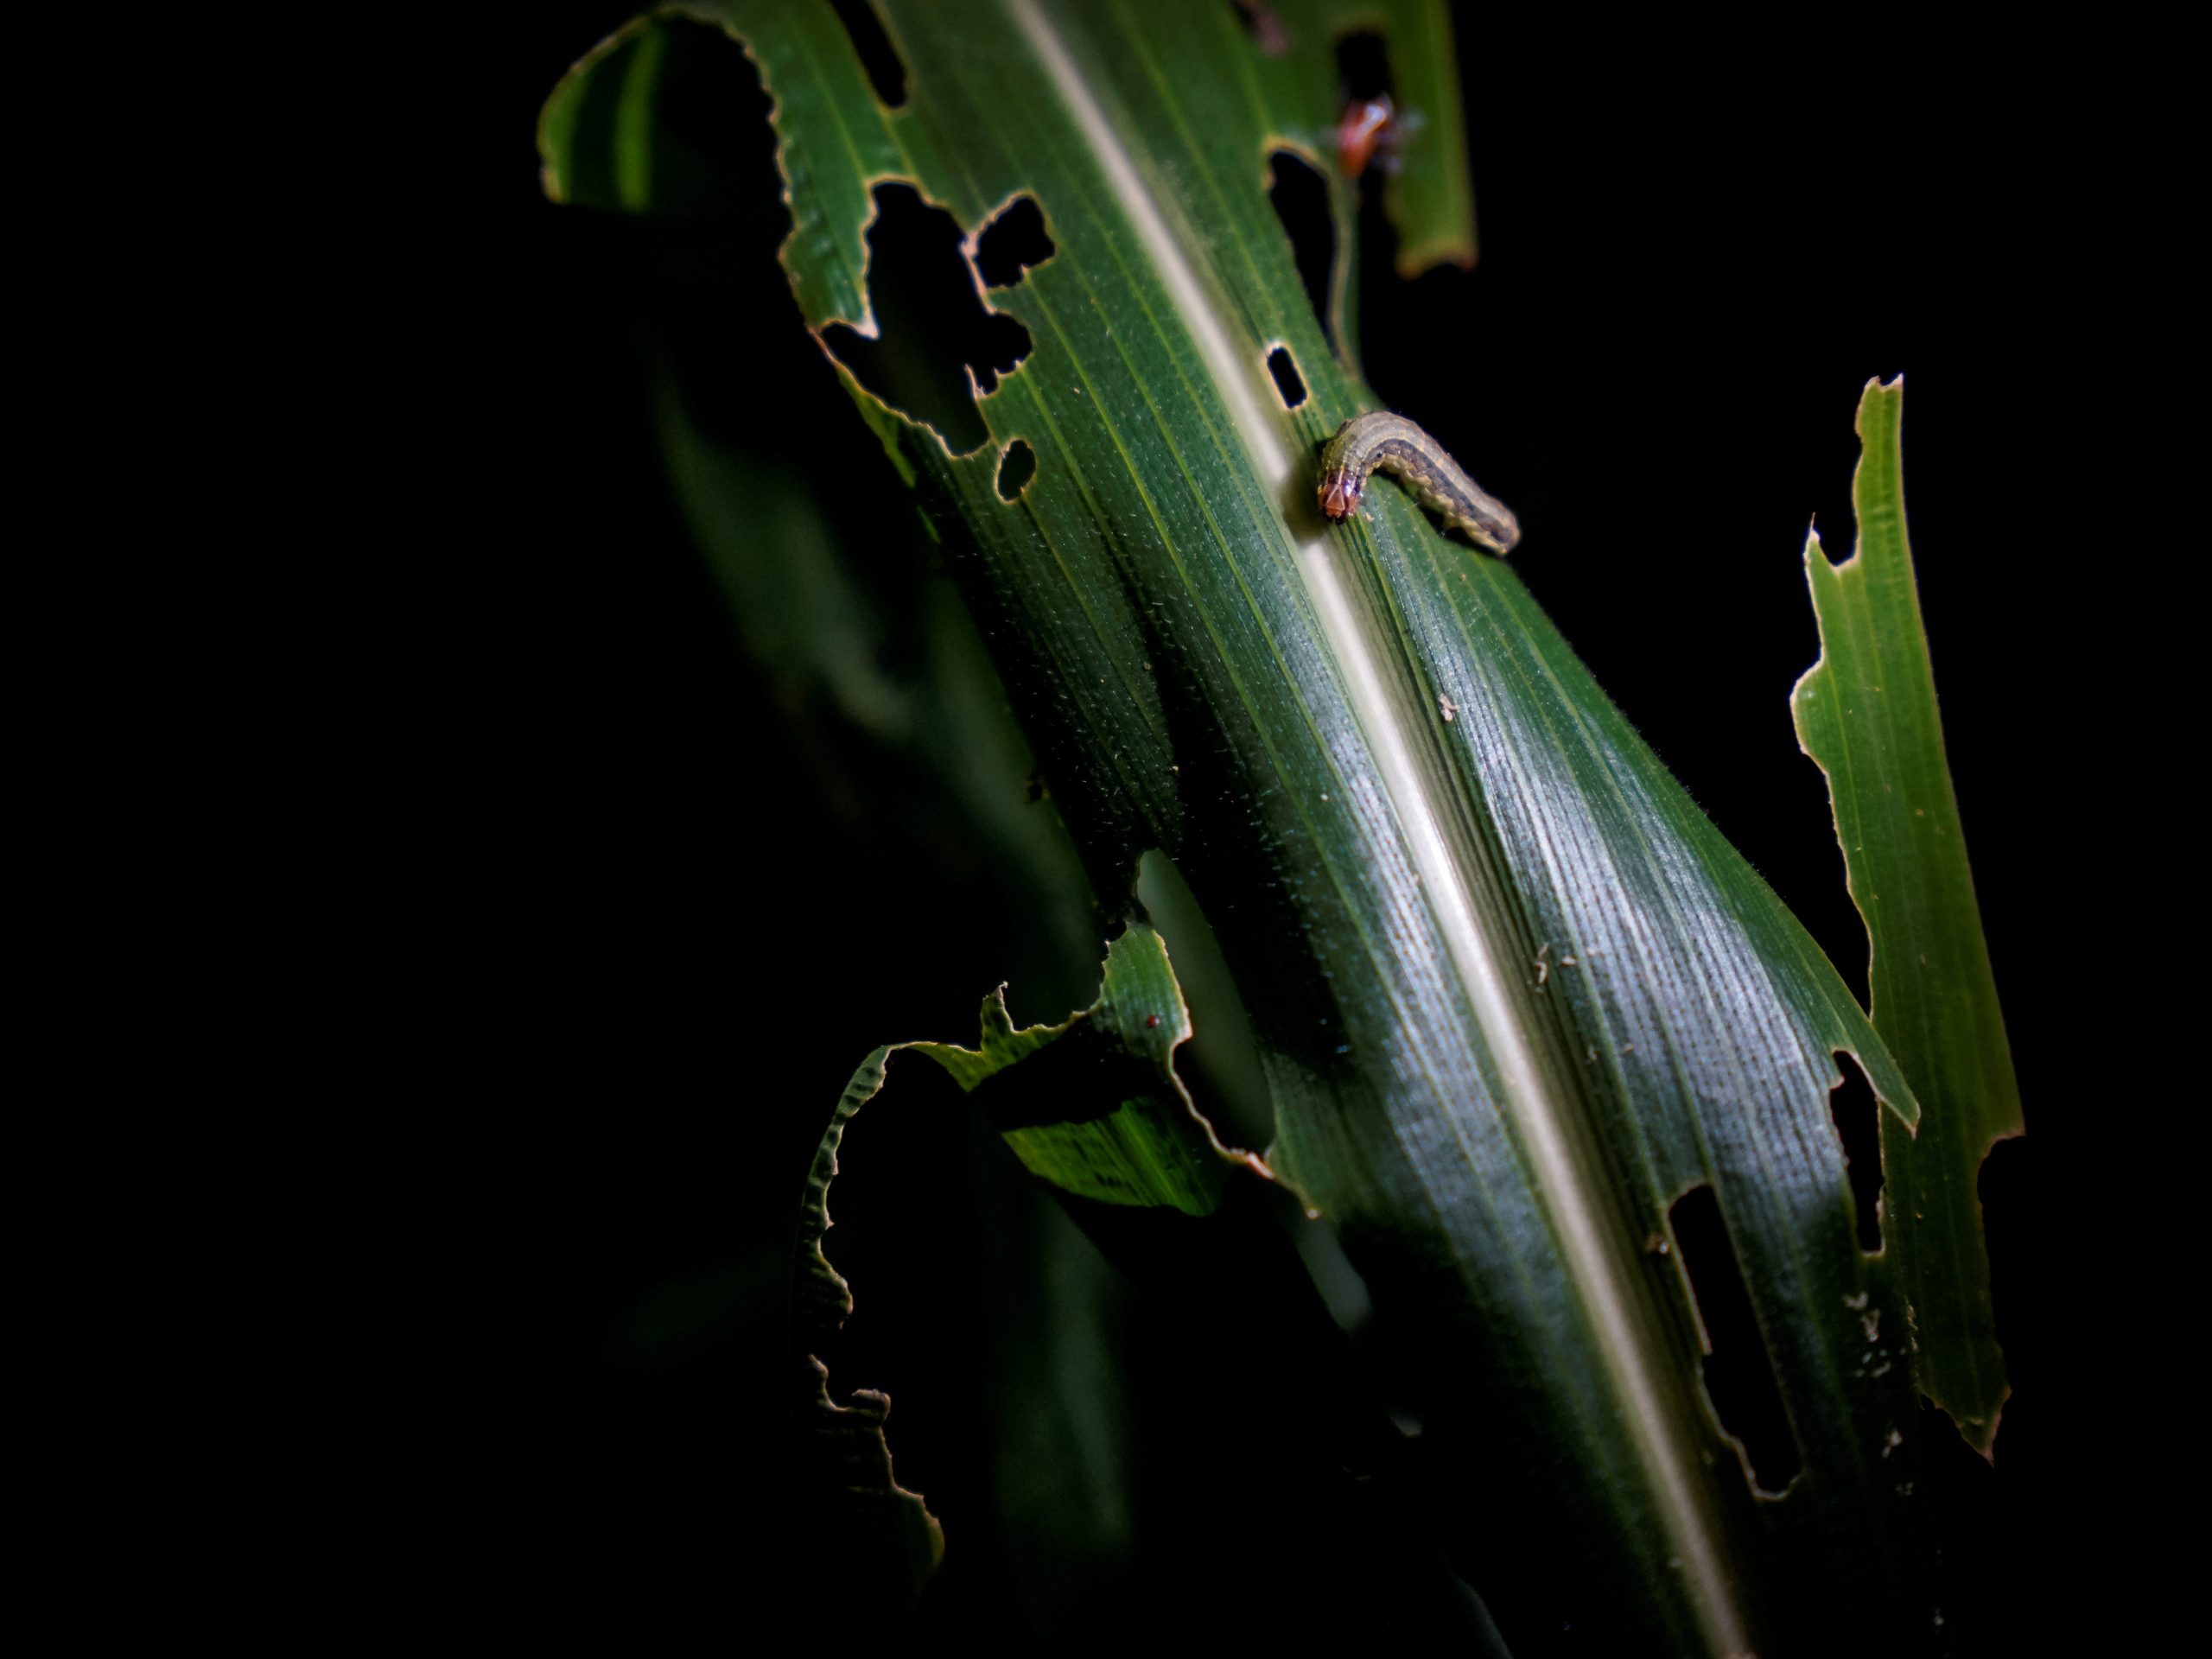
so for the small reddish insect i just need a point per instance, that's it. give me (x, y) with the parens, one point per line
(1366, 126)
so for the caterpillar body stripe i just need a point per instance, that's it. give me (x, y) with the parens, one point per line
(1393, 444)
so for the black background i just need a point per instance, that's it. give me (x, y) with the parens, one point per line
(673, 933)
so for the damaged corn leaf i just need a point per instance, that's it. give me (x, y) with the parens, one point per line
(1866, 715)
(1513, 995)
(1092, 1106)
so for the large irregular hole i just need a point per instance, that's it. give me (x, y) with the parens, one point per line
(1012, 242)
(1739, 1375)
(1858, 1114)
(1289, 383)
(887, 71)
(932, 328)
(1222, 1063)
(1301, 197)
(1016, 468)
(1364, 66)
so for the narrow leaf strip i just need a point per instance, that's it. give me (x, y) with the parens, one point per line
(1866, 715)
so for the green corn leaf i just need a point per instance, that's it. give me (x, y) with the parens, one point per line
(1866, 713)
(1514, 997)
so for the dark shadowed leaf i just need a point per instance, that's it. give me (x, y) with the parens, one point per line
(1091, 1105)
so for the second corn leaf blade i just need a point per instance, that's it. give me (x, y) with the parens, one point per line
(1866, 713)
(1514, 995)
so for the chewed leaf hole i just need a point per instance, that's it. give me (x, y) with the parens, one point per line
(1738, 1376)
(1301, 197)
(1858, 1114)
(1013, 241)
(887, 71)
(1363, 65)
(1016, 468)
(1290, 383)
(933, 330)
